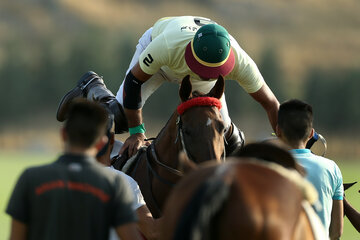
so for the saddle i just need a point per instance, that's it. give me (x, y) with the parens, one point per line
(124, 163)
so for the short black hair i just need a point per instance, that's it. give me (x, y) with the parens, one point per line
(295, 120)
(86, 123)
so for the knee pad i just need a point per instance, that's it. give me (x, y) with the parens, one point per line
(121, 125)
(234, 141)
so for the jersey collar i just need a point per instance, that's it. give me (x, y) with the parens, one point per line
(300, 151)
(68, 158)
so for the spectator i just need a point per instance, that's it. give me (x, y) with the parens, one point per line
(147, 224)
(74, 197)
(295, 121)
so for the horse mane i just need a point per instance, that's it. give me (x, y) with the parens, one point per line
(200, 212)
(308, 190)
(272, 152)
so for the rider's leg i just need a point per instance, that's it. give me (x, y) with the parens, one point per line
(234, 138)
(92, 87)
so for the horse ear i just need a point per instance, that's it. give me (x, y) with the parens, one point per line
(219, 88)
(185, 89)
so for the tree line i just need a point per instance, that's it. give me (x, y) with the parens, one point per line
(34, 78)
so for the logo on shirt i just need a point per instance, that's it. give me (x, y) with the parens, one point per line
(194, 29)
(73, 186)
(76, 167)
(148, 60)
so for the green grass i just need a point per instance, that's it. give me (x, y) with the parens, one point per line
(12, 165)
(351, 173)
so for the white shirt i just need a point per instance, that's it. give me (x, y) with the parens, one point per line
(138, 198)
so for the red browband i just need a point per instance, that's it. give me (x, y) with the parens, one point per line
(198, 101)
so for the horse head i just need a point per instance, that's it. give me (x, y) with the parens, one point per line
(195, 131)
(199, 123)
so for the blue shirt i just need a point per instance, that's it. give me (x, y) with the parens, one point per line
(326, 177)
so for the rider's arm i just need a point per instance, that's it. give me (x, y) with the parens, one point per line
(132, 108)
(269, 102)
(134, 116)
(247, 74)
(337, 220)
(139, 73)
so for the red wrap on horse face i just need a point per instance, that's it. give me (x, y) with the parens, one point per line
(198, 101)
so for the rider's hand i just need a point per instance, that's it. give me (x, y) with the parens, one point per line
(133, 144)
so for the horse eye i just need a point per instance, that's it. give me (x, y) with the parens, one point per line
(221, 127)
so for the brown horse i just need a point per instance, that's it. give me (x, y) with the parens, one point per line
(196, 128)
(244, 198)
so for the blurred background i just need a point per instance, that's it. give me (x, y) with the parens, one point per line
(304, 49)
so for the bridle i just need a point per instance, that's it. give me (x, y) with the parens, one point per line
(198, 101)
(180, 136)
(151, 152)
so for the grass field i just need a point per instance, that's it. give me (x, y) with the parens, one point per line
(12, 164)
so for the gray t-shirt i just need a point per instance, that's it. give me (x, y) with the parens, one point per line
(73, 198)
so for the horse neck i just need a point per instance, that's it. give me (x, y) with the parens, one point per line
(166, 145)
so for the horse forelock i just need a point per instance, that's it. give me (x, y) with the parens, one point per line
(197, 94)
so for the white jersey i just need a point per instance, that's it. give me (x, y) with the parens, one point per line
(166, 51)
(161, 53)
(138, 198)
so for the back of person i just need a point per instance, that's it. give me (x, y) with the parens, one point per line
(295, 128)
(74, 197)
(325, 175)
(71, 199)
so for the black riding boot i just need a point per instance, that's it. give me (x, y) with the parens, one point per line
(92, 87)
(234, 140)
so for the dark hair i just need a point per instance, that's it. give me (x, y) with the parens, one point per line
(109, 133)
(295, 119)
(86, 123)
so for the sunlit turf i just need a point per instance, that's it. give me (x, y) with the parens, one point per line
(12, 164)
